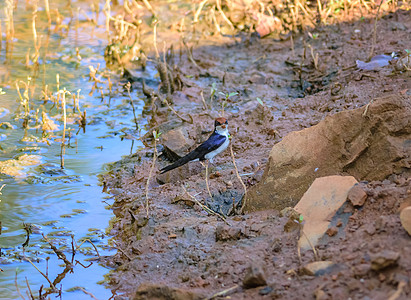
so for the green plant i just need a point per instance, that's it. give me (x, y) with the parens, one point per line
(227, 96)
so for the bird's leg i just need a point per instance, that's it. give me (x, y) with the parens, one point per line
(206, 178)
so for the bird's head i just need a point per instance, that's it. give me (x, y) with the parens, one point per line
(220, 125)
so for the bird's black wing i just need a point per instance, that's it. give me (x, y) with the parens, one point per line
(214, 141)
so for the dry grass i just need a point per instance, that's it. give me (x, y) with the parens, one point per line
(229, 16)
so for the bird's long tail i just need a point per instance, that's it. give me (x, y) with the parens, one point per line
(182, 161)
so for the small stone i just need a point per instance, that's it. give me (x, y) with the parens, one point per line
(317, 268)
(227, 233)
(215, 175)
(332, 231)
(293, 219)
(357, 196)
(384, 259)
(229, 184)
(286, 212)
(254, 276)
(319, 294)
(405, 217)
(361, 269)
(265, 291)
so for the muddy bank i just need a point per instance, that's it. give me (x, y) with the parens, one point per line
(181, 252)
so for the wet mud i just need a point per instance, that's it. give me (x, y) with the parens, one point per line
(278, 86)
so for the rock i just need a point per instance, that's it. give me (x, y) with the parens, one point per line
(405, 217)
(357, 196)
(265, 291)
(254, 276)
(6, 125)
(227, 233)
(320, 203)
(318, 268)
(293, 219)
(319, 294)
(384, 259)
(361, 269)
(152, 291)
(177, 141)
(346, 142)
(51, 169)
(332, 231)
(405, 204)
(18, 167)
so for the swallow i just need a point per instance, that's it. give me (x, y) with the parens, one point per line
(215, 144)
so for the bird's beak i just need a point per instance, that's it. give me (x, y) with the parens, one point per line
(223, 126)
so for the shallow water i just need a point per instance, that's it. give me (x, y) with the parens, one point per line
(57, 207)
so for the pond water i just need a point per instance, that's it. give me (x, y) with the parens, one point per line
(57, 202)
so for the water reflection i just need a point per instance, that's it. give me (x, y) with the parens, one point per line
(57, 206)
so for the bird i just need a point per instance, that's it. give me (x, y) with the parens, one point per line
(215, 144)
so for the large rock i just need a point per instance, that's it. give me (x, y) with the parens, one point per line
(369, 143)
(319, 204)
(405, 217)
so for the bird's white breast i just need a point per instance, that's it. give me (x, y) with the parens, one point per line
(220, 149)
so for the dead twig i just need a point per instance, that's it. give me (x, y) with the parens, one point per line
(58, 252)
(28, 286)
(87, 293)
(224, 293)
(206, 208)
(223, 15)
(122, 251)
(374, 34)
(190, 54)
(17, 286)
(128, 86)
(206, 178)
(149, 7)
(239, 178)
(198, 12)
(94, 246)
(310, 243)
(44, 275)
(398, 292)
(156, 136)
(364, 114)
(191, 121)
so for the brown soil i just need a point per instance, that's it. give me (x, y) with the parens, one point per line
(181, 247)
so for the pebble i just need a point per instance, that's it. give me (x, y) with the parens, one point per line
(357, 196)
(384, 259)
(227, 233)
(265, 291)
(317, 268)
(254, 276)
(332, 231)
